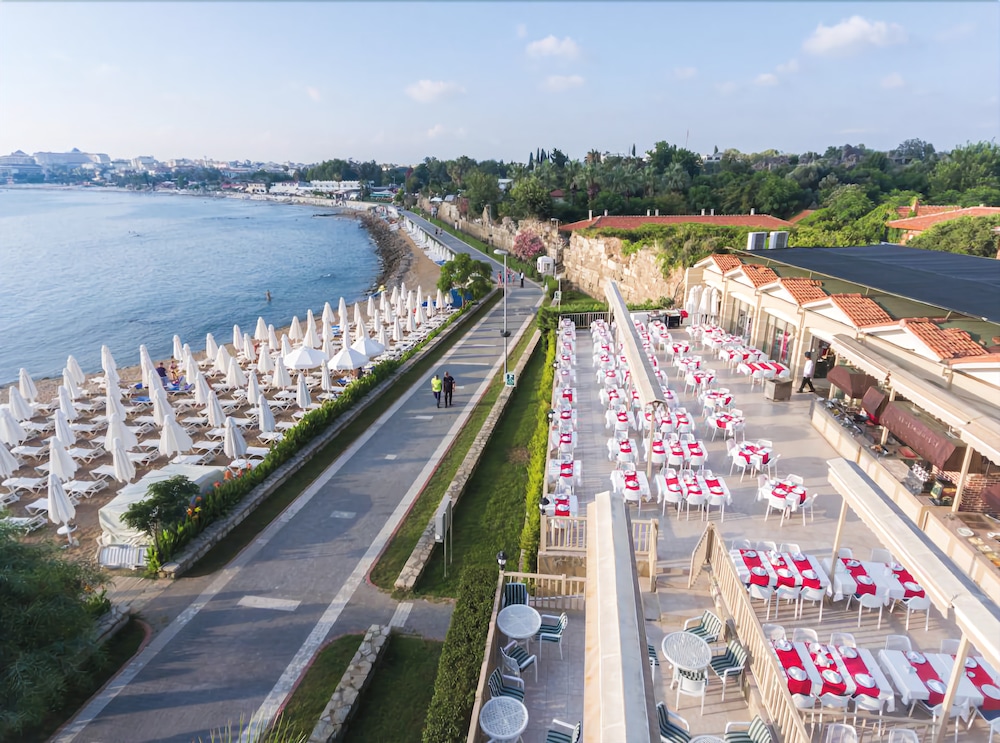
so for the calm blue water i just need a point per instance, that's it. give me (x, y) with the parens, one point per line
(82, 268)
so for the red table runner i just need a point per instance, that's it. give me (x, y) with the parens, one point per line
(802, 566)
(864, 582)
(927, 673)
(631, 481)
(658, 448)
(625, 447)
(562, 507)
(714, 486)
(566, 415)
(566, 469)
(856, 666)
(752, 560)
(905, 577)
(747, 451)
(786, 577)
(695, 450)
(565, 438)
(567, 394)
(980, 677)
(784, 490)
(825, 663)
(789, 659)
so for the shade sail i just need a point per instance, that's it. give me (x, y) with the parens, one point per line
(853, 383)
(874, 402)
(926, 437)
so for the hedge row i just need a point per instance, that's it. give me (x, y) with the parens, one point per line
(538, 455)
(450, 712)
(227, 494)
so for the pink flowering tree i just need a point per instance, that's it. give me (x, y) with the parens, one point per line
(527, 245)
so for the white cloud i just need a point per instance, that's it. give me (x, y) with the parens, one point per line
(766, 79)
(893, 80)
(435, 131)
(727, 87)
(955, 33)
(428, 91)
(522, 31)
(852, 35)
(559, 83)
(313, 93)
(685, 73)
(550, 46)
(791, 65)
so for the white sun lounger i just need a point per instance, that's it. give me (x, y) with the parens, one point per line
(87, 428)
(85, 455)
(143, 458)
(26, 484)
(33, 452)
(86, 488)
(26, 523)
(122, 556)
(105, 472)
(7, 498)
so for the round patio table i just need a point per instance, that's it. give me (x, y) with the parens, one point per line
(519, 621)
(687, 651)
(503, 718)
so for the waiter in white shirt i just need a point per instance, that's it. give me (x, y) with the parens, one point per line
(807, 373)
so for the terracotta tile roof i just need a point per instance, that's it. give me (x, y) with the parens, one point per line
(803, 290)
(945, 343)
(796, 218)
(924, 210)
(759, 275)
(763, 221)
(862, 311)
(726, 262)
(916, 224)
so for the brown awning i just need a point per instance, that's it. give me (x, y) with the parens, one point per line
(991, 496)
(874, 401)
(924, 437)
(853, 383)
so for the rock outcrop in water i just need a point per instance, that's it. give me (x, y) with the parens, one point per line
(394, 252)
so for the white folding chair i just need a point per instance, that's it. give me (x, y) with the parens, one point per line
(898, 642)
(804, 634)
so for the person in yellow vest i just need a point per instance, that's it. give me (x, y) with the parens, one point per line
(436, 389)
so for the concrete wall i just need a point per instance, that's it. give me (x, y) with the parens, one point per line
(590, 262)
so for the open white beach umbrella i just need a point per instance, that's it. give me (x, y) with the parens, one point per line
(26, 386)
(249, 353)
(123, 466)
(304, 357)
(286, 345)
(66, 403)
(63, 432)
(383, 336)
(61, 464)
(265, 416)
(72, 388)
(265, 363)
(397, 330)
(280, 378)
(201, 389)
(211, 347)
(347, 359)
(61, 508)
(118, 430)
(20, 407)
(237, 337)
(74, 368)
(234, 445)
(370, 309)
(112, 406)
(222, 359)
(272, 338)
(8, 462)
(253, 388)
(302, 397)
(178, 349)
(108, 361)
(311, 339)
(342, 314)
(173, 438)
(213, 409)
(234, 374)
(295, 329)
(368, 347)
(260, 332)
(11, 432)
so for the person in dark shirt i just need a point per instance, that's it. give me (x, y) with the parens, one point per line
(162, 371)
(448, 386)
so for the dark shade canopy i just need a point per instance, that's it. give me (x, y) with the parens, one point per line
(991, 496)
(853, 383)
(874, 402)
(962, 283)
(924, 437)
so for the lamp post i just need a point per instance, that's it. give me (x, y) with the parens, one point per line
(502, 560)
(505, 333)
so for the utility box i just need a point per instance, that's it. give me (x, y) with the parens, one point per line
(778, 389)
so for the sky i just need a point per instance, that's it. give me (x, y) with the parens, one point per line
(398, 82)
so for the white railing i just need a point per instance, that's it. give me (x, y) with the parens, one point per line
(563, 534)
(553, 592)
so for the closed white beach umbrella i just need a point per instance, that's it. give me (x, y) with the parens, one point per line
(295, 329)
(173, 438)
(420, 296)
(421, 317)
(113, 406)
(330, 346)
(260, 332)
(302, 397)
(704, 303)
(286, 345)
(358, 319)
(402, 288)
(237, 337)
(310, 321)
(20, 407)
(201, 389)
(63, 432)
(265, 416)
(234, 445)
(394, 297)
(211, 347)
(439, 302)
(304, 357)
(325, 382)
(347, 359)
(716, 301)
(376, 321)
(178, 349)
(66, 403)
(281, 378)
(213, 409)
(112, 381)
(411, 302)
(158, 396)
(272, 337)
(190, 365)
(234, 375)
(411, 323)
(26, 386)
(358, 332)
(118, 430)
(265, 363)
(61, 508)
(311, 339)
(75, 393)
(370, 309)
(11, 432)
(146, 362)
(108, 361)
(74, 368)
(222, 359)
(61, 464)
(383, 303)
(253, 388)
(247, 348)
(329, 319)
(342, 314)
(367, 347)
(8, 462)
(123, 466)
(397, 330)
(383, 336)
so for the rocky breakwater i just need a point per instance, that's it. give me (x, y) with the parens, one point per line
(394, 250)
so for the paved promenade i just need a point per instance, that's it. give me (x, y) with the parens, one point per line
(230, 646)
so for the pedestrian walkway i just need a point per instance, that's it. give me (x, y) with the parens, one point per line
(230, 647)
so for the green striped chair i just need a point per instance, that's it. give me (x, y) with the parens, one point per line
(563, 732)
(553, 634)
(516, 659)
(708, 627)
(756, 731)
(671, 730)
(515, 593)
(730, 662)
(506, 686)
(654, 659)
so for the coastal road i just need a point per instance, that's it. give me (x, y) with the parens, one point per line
(231, 645)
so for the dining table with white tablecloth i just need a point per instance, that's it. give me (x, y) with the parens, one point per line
(854, 577)
(630, 485)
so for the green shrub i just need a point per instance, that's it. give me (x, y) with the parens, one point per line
(537, 457)
(461, 658)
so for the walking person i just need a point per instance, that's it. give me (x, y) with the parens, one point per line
(522, 279)
(449, 386)
(807, 373)
(436, 385)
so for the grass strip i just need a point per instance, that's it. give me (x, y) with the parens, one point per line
(393, 708)
(311, 696)
(247, 530)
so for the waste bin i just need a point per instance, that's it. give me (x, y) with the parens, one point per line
(778, 389)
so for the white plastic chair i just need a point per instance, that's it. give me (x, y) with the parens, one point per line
(832, 702)
(903, 735)
(692, 685)
(958, 711)
(898, 642)
(697, 501)
(813, 596)
(872, 601)
(786, 593)
(845, 552)
(738, 463)
(882, 555)
(775, 503)
(806, 703)
(866, 703)
(949, 647)
(790, 547)
(843, 639)
(766, 545)
(796, 479)
(918, 603)
(773, 632)
(740, 544)
(807, 505)
(762, 593)
(804, 634)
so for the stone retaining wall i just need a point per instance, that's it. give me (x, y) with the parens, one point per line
(421, 555)
(218, 530)
(355, 680)
(590, 262)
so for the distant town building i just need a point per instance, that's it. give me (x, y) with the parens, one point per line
(72, 159)
(256, 188)
(913, 226)
(19, 164)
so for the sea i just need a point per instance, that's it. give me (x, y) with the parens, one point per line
(81, 268)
